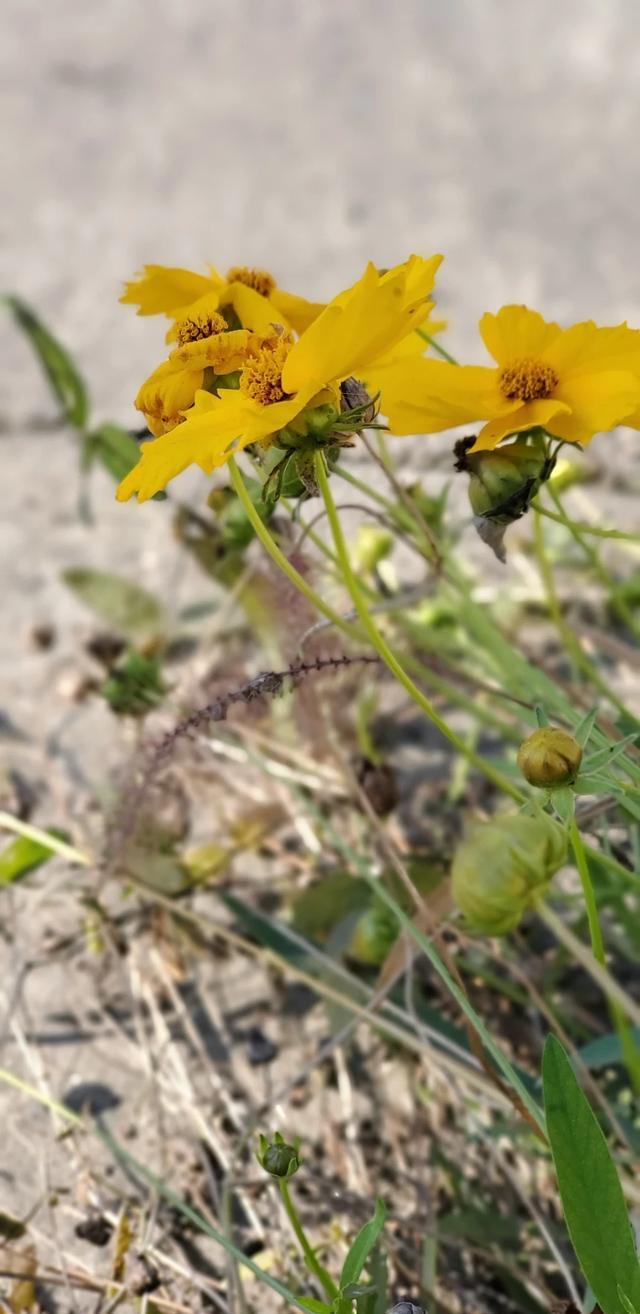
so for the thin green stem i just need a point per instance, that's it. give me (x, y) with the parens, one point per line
(618, 1016)
(278, 557)
(311, 1259)
(605, 577)
(595, 930)
(585, 957)
(572, 646)
(580, 526)
(385, 652)
(51, 842)
(366, 489)
(433, 342)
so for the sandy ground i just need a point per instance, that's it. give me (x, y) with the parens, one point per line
(306, 136)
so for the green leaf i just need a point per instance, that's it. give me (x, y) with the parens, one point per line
(592, 1198)
(361, 1248)
(606, 755)
(116, 450)
(58, 367)
(625, 1302)
(125, 606)
(564, 804)
(24, 855)
(606, 1050)
(584, 727)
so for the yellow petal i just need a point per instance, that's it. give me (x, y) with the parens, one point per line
(516, 331)
(585, 347)
(223, 352)
(297, 312)
(158, 290)
(422, 395)
(361, 324)
(213, 430)
(253, 310)
(541, 413)
(597, 402)
(169, 390)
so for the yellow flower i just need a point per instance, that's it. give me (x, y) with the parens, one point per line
(572, 382)
(281, 379)
(170, 390)
(252, 293)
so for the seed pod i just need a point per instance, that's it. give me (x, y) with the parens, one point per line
(550, 758)
(502, 483)
(277, 1158)
(503, 868)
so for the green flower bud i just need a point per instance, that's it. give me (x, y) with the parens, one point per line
(278, 1158)
(503, 868)
(321, 419)
(503, 483)
(550, 758)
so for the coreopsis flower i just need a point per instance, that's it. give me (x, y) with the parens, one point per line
(205, 344)
(251, 298)
(290, 391)
(572, 382)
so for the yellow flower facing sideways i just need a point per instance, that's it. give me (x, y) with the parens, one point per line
(572, 382)
(281, 378)
(251, 294)
(204, 344)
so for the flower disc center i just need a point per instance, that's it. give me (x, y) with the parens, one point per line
(258, 279)
(527, 379)
(197, 327)
(261, 378)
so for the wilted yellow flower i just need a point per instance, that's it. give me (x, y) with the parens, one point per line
(251, 294)
(572, 382)
(284, 382)
(170, 390)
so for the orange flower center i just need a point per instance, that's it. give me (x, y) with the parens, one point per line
(200, 326)
(258, 279)
(261, 378)
(527, 379)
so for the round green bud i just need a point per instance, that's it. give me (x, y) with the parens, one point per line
(321, 419)
(550, 758)
(503, 868)
(502, 483)
(278, 1158)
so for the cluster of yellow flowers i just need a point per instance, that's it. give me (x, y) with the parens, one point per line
(249, 363)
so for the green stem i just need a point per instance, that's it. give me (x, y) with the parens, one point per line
(385, 652)
(605, 577)
(433, 342)
(618, 1016)
(573, 648)
(311, 1259)
(580, 526)
(278, 557)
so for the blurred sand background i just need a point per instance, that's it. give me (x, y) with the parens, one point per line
(305, 136)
